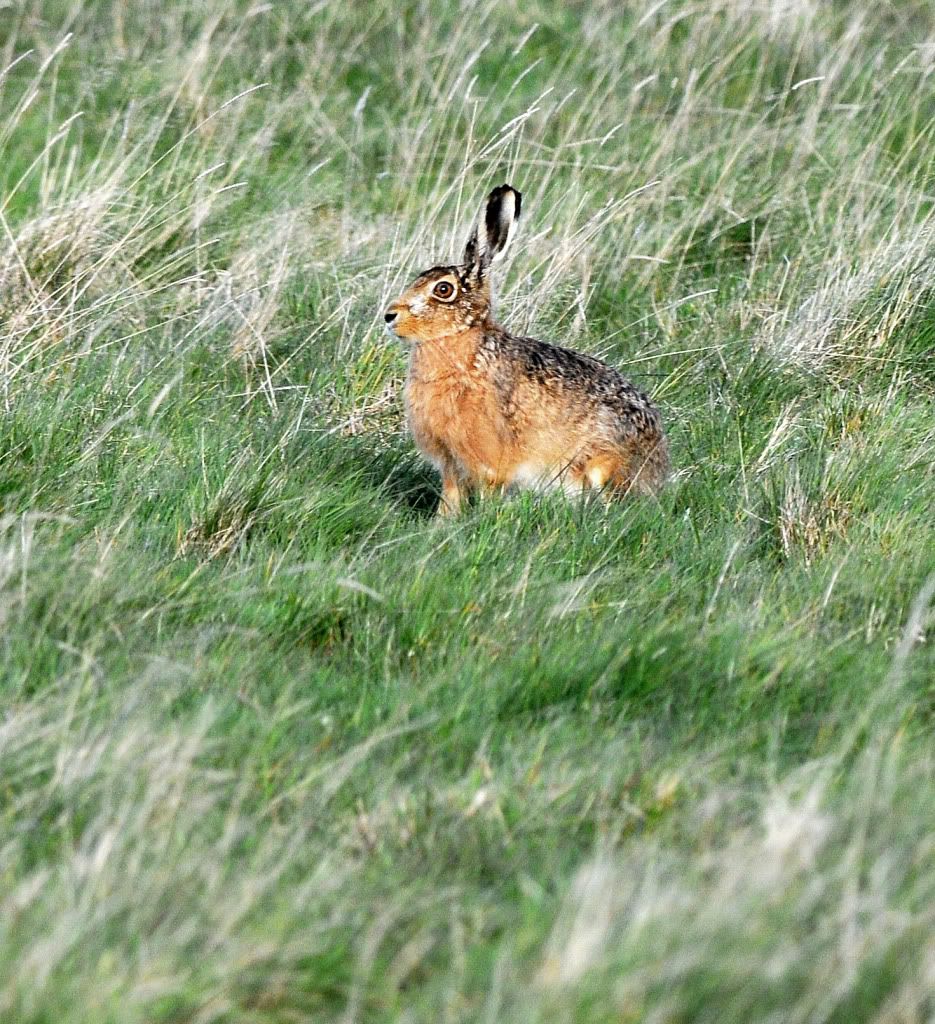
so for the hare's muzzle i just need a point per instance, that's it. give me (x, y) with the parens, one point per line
(399, 320)
(391, 319)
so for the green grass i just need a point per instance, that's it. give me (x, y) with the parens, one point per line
(275, 745)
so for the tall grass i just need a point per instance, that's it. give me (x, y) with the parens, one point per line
(274, 746)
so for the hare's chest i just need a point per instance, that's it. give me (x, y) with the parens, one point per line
(433, 402)
(454, 416)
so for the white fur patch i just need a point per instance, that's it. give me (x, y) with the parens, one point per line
(534, 476)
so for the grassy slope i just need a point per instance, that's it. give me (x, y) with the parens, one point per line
(274, 745)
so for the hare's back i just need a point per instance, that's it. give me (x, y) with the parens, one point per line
(561, 381)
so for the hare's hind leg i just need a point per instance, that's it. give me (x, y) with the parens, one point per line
(607, 473)
(638, 467)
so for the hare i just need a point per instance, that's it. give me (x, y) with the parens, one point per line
(492, 410)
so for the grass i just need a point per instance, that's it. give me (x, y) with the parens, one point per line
(274, 744)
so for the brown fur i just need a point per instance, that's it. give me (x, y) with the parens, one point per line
(492, 410)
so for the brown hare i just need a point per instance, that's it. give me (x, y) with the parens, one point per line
(493, 411)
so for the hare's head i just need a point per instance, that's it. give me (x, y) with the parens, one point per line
(447, 300)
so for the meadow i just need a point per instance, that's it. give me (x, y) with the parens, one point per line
(278, 746)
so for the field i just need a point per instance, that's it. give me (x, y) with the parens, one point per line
(278, 746)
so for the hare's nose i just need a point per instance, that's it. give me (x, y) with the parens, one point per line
(389, 317)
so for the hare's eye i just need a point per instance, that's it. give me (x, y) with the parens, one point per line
(444, 290)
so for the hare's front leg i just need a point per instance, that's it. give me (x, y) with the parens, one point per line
(452, 492)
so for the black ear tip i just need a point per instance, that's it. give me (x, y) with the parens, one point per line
(501, 190)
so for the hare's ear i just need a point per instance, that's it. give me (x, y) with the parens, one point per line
(500, 217)
(491, 237)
